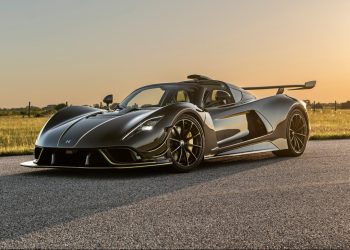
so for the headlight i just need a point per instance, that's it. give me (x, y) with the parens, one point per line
(144, 126)
(148, 125)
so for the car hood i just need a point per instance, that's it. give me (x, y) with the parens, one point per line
(101, 129)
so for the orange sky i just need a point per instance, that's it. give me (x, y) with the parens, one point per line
(79, 51)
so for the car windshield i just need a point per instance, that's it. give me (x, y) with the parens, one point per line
(144, 99)
(154, 97)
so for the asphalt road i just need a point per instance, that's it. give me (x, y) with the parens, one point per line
(255, 203)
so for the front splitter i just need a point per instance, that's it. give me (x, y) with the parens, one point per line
(32, 164)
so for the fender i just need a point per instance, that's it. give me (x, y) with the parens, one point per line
(202, 117)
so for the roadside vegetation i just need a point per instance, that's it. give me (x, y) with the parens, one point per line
(330, 124)
(18, 134)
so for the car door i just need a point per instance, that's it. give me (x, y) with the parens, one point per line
(229, 119)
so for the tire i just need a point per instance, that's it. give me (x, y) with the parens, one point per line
(186, 143)
(297, 134)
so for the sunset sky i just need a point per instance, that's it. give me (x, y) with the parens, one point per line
(79, 51)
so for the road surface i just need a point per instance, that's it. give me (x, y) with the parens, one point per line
(257, 202)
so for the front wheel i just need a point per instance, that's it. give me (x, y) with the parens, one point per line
(297, 134)
(186, 143)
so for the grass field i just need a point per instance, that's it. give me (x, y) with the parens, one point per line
(330, 124)
(17, 134)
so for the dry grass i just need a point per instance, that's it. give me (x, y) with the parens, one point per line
(17, 134)
(330, 124)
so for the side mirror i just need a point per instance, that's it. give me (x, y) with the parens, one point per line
(108, 100)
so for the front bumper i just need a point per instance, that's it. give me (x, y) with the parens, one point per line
(119, 157)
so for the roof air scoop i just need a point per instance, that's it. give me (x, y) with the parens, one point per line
(198, 77)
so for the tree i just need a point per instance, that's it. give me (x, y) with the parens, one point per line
(60, 106)
(345, 105)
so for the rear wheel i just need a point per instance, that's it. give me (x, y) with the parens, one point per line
(297, 134)
(186, 143)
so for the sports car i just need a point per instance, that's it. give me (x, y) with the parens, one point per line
(178, 124)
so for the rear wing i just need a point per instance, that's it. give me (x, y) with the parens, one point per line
(307, 85)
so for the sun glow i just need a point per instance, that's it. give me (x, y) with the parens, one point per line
(80, 51)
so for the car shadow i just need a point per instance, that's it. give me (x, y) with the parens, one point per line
(234, 162)
(33, 200)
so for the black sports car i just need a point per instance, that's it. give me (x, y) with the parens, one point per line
(178, 124)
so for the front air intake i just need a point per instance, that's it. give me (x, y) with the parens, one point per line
(121, 155)
(72, 158)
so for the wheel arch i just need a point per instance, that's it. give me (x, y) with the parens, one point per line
(172, 112)
(195, 115)
(299, 106)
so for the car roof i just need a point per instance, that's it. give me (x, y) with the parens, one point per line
(193, 83)
(200, 84)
